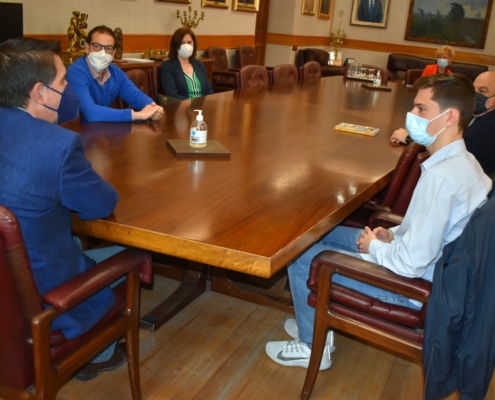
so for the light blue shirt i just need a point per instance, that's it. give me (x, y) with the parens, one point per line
(452, 185)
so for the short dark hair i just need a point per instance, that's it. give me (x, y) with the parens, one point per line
(103, 29)
(176, 41)
(451, 91)
(24, 63)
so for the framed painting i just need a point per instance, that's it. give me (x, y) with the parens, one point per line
(175, 1)
(371, 13)
(215, 3)
(308, 7)
(246, 5)
(441, 21)
(325, 9)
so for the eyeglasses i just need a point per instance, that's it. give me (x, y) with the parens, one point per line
(108, 49)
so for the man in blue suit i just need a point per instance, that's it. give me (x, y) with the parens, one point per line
(370, 11)
(45, 176)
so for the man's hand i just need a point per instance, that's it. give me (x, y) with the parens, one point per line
(364, 241)
(158, 113)
(150, 111)
(385, 235)
(399, 136)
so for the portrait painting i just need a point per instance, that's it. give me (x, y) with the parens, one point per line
(447, 22)
(309, 7)
(215, 3)
(325, 9)
(372, 13)
(246, 5)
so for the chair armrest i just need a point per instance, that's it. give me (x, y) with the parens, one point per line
(385, 218)
(373, 274)
(86, 284)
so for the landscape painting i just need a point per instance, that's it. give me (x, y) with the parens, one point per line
(448, 22)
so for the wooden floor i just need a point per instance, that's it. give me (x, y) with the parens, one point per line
(215, 349)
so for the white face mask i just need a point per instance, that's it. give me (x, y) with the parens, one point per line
(186, 50)
(100, 60)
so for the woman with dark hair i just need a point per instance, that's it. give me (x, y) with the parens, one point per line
(184, 77)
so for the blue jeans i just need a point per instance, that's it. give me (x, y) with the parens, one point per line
(100, 255)
(342, 239)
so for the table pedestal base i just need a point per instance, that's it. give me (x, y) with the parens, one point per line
(192, 286)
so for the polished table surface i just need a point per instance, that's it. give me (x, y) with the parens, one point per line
(290, 179)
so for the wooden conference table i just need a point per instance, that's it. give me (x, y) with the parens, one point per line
(290, 178)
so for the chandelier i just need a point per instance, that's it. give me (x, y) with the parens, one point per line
(189, 21)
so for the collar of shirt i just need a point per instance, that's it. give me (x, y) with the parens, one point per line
(445, 152)
(96, 75)
(23, 109)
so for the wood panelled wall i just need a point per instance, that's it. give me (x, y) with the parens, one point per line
(139, 43)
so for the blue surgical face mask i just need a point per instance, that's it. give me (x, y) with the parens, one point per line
(68, 108)
(442, 62)
(416, 127)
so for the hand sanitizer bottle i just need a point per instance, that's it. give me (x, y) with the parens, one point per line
(378, 79)
(199, 131)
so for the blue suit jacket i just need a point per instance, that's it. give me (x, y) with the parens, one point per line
(44, 176)
(174, 82)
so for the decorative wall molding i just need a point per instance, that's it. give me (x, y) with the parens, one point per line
(134, 43)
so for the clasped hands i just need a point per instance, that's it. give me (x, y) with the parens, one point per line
(151, 111)
(382, 234)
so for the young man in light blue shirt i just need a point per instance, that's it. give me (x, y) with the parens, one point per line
(451, 187)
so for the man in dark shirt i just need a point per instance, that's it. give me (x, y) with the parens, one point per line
(479, 136)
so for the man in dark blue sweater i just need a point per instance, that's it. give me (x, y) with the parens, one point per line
(98, 82)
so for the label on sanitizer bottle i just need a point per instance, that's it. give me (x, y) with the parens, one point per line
(198, 137)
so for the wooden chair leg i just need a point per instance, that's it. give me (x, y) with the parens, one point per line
(132, 334)
(322, 324)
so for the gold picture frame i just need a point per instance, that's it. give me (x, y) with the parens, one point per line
(174, 1)
(215, 3)
(246, 5)
(325, 9)
(308, 7)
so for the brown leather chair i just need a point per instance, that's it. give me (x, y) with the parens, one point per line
(155, 83)
(141, 80)
(392, 327)
(397, 195)
(284, 74)
(252, 76)
(311, 71)
(321, 57)
(223, 78)
(32, 354)
(386, 76)
(412, 75)
(245, 55)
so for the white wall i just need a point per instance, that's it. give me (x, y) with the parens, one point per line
(133, 16)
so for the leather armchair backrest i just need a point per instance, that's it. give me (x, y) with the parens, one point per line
(219, 55)
(404, 196)
(155, 83)
(311, 71)
(245, 55)
(140, 79)
(284, 74)
(401, 171)
(412, 75)
(253, 76)
(318, 55)
(20, 301)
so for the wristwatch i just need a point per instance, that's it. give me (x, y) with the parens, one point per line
(408, 139)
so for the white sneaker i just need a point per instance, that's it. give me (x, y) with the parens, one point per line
(292, 330)
(295, 353)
